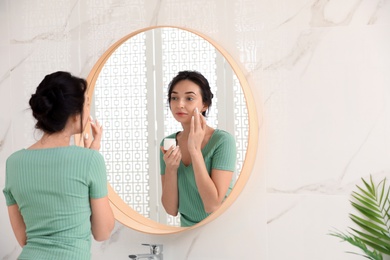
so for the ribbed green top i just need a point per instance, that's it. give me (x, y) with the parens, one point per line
(52, 188)
(219, 153)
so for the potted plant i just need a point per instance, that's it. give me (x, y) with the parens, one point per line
(373, 236)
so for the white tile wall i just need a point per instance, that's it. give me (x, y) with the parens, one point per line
(319, 72)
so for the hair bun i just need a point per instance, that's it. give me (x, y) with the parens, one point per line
(44, 101)
(57, 97)
(40, 105)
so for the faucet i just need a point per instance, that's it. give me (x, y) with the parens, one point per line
(156, 253)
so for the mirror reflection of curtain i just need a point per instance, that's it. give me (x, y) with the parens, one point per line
(130, 93)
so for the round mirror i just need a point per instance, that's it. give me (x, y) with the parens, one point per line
(128, 88)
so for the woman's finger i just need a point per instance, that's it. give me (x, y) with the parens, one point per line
(96, 137)
(87, 140)
(172, 156)
(168, 152)
(196, 119)
(176, 154)
(192, 125)
(96, 127)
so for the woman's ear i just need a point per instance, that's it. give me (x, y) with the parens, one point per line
(76, 117)
(204, 108)
(74, 122)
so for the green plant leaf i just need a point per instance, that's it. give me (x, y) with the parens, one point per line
(355, 241)
(370, 187)
(387, 211)
(367, 224)
(373, 203)
(379, 243)
(368, 212)
(368, 202)
(381, 198)
(367, 194)
(376, 233)
(376, 247)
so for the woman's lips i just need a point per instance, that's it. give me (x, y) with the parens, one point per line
(181, 114)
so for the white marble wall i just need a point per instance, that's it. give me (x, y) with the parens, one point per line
(320, 75)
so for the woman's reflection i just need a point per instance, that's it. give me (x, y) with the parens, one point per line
(196, 174)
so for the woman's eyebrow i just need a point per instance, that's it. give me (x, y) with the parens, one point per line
(188, 92)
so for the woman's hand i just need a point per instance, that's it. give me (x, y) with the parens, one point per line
(170, 196)
(97, 130)
(197, 132)
(172, 158)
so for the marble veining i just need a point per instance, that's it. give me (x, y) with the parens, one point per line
(305, 45)
(319, 17)
(47, 36)
(353, 156)
(56, 34)
(156, 11)
(330, 187)
(3, 137)
(283, 212)
(20, 62)
(380, 6)
(191, 246)
(4, 77)
(114, 238)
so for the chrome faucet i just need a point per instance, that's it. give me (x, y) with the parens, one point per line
(156, 253)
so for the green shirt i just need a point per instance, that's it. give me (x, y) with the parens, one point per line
(219, 153)
(52, 188)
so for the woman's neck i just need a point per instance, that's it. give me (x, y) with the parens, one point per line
(186, 129)
(59, 139)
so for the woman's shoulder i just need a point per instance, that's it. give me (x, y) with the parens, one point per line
(73, 149)
(15, 155)
(75, 154)
(169, 136)
(221, 138)
(222, 134)
(173, 135)
(83, 150)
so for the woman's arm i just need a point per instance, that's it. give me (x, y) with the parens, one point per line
(212, 189)
(102, 219)
(18, 225)
(170, 194)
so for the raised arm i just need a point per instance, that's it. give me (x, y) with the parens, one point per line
(212, 188)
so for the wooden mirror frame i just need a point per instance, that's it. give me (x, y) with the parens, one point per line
(131, 218)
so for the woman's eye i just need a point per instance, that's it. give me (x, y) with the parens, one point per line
(173, 98)
(190, 98)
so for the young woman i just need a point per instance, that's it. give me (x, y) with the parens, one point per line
(56, 192)
(196, 174)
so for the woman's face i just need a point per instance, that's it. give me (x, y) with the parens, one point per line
(185, 97)
(86, 110)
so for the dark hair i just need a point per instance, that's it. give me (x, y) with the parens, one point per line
(199, 80)
(59, 96)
